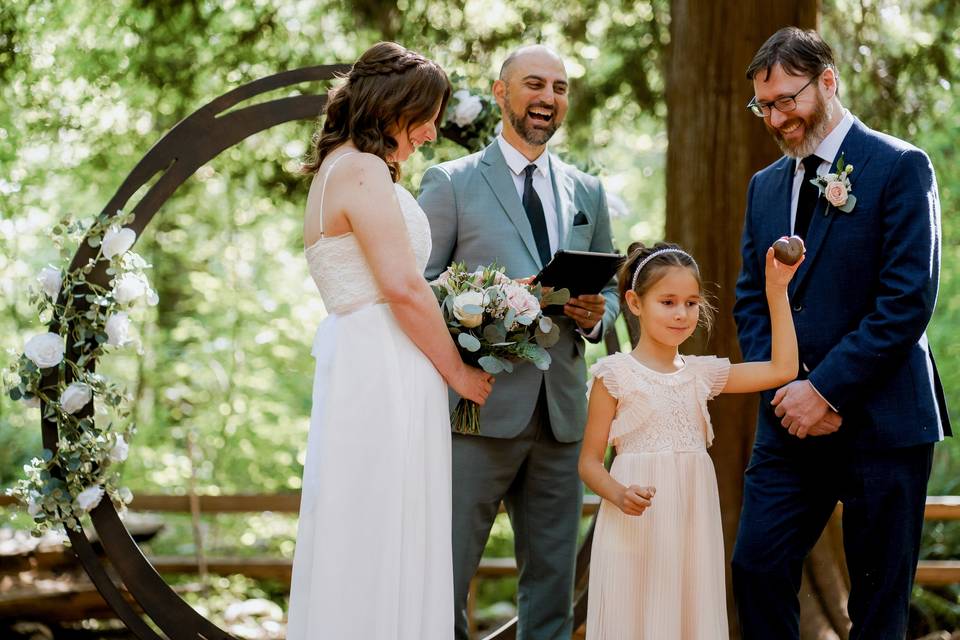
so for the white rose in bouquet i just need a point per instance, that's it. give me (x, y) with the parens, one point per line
(45, 350)
(468, 108)
(118, 330)
(129, 287)
(89, 497)
(466, 299)
(51, 280)
(120, 450)
(117, 241)
(75, 397)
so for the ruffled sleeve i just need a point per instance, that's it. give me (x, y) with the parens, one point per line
(621, 380)
(607, 370)
(712, 373)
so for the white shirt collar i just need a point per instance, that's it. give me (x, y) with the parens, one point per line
(518, 162)
(830, 146)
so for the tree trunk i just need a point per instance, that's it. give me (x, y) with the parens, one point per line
(715, 146)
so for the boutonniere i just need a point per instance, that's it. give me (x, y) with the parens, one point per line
(836, 187)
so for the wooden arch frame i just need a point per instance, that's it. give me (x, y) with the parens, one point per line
(191, 143)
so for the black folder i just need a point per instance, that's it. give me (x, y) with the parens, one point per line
(582, 272)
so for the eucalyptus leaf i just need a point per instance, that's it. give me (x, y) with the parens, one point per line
(490, 364)
(468, 342)
(541, 359)
(547, 340)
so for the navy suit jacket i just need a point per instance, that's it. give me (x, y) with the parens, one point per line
(863, 297)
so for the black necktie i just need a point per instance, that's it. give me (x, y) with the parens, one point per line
(809, 193)
(534, 209)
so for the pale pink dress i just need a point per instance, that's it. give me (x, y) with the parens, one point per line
(660, 576)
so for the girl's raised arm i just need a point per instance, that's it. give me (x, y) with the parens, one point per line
(784, 362)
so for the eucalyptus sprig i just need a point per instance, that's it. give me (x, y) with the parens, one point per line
(85, 319)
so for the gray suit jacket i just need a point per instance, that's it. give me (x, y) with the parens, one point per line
(477, 217)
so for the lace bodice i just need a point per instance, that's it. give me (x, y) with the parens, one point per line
(661, 411)
(341, 272)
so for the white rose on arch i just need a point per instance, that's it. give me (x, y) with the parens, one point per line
(120, 449)
(89, 497)
(50, 280)
(45, 350)
(118, 329)
(117, 241)
(129, 287)
(75, 397)
(467, 109)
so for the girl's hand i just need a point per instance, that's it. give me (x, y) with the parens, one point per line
(778, 274)
(634, 500)
(473, 384)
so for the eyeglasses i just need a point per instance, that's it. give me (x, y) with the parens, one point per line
(784, 104)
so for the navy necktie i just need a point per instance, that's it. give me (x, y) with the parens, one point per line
(534, 209)
(809, 194)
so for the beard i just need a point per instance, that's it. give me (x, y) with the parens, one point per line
(815, 130)
(531, 135)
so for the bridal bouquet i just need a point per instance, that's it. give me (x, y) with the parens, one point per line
(496, 322)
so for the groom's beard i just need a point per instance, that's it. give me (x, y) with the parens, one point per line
(815, 130)
(531, 135)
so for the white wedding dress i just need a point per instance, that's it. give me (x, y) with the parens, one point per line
(373, 559)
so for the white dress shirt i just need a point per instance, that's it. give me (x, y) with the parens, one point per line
(827, 151)
(542, 184)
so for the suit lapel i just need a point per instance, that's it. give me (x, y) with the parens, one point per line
(497, 174)
(563, 196)
(856, 149)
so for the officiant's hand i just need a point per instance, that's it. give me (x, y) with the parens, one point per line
(473, 384)
(586, 310)
(800, 407)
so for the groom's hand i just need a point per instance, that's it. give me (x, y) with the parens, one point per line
(586, 310)
(830, 424)
(800, 408)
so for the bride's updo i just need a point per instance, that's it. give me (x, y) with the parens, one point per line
(388, 85)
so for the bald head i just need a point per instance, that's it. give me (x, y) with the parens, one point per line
(537, 54)
(532, 95)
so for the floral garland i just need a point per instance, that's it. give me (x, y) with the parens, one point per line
(471, 119)
(60, 487)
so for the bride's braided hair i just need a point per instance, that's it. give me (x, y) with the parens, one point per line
(388, 86)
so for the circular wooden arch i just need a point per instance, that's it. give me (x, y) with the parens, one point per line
(193, 142)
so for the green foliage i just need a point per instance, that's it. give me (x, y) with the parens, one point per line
(222, 387)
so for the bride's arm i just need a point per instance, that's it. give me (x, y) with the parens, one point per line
(371, 206)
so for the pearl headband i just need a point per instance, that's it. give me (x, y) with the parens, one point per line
(658, 252)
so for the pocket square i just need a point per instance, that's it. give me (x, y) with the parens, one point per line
(580, 219)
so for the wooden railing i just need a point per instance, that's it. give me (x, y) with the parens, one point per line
(929, 572)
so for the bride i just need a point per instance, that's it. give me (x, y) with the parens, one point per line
(373, 556)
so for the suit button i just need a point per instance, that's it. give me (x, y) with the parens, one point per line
(798, 307)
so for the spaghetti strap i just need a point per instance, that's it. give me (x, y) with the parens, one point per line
(323, 187)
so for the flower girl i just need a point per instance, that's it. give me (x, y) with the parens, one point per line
(657, 566)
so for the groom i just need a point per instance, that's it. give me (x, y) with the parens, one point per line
(859, 424)
(515, 203)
